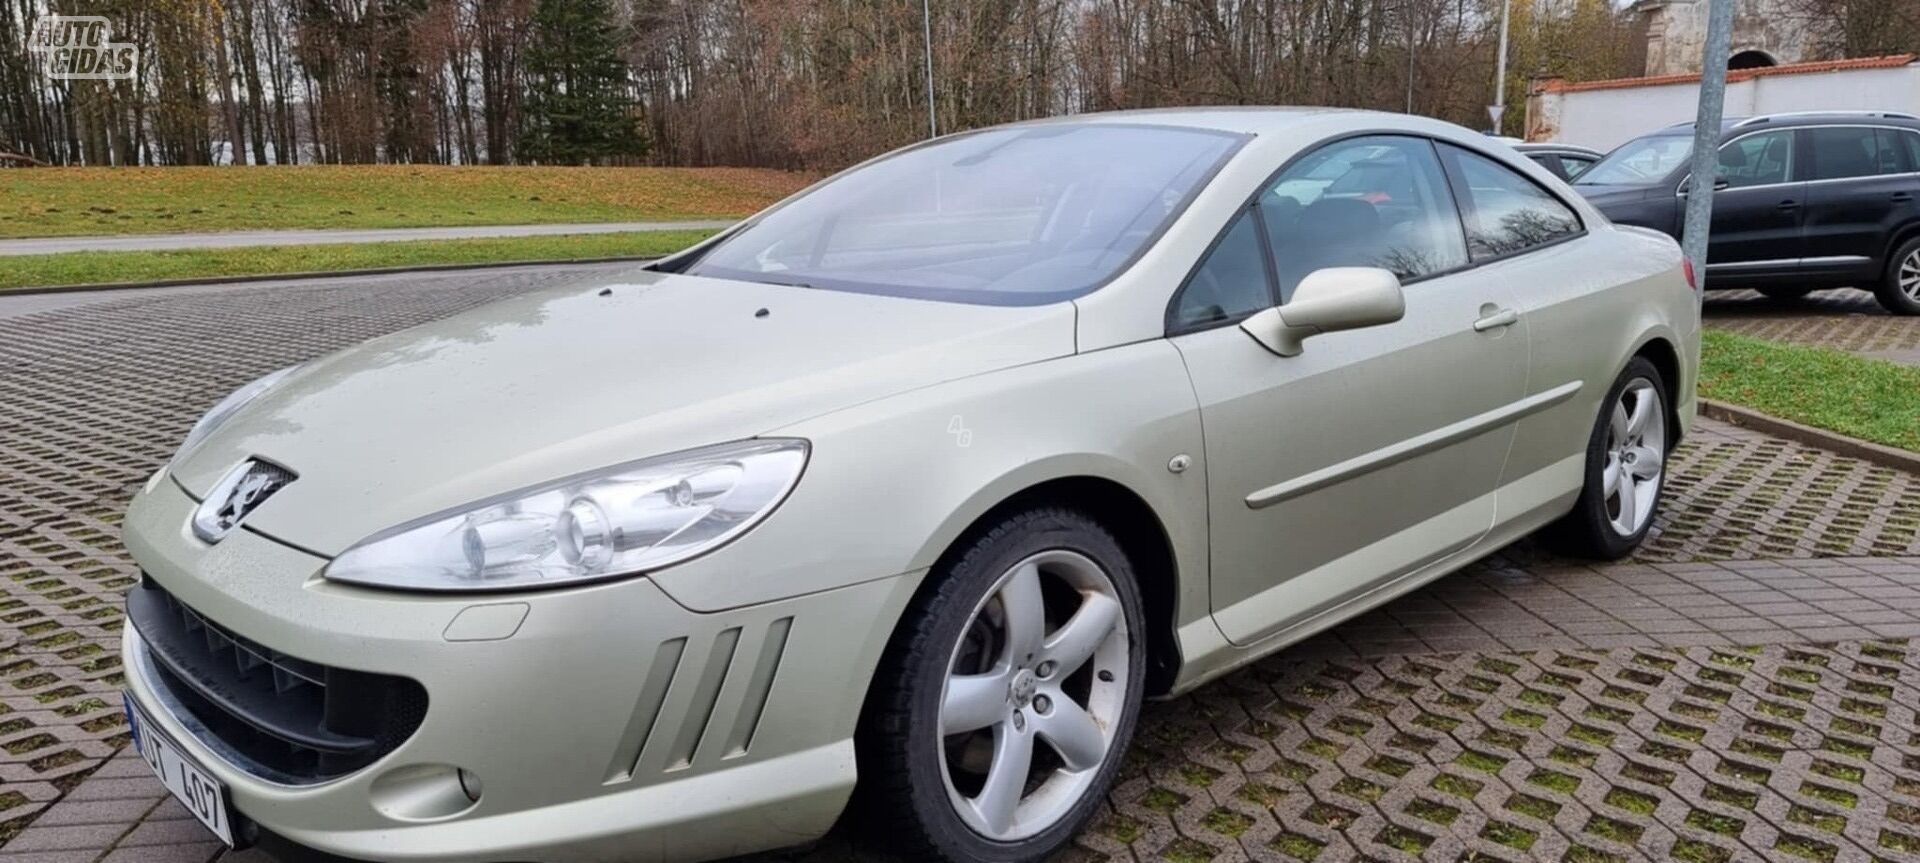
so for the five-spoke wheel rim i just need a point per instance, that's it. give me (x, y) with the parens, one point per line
(1910, 276)
(1035, 688)
(1636, 457)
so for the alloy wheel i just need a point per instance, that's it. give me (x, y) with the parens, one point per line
(1034, 692)
(1910, 276)
(1636, 455)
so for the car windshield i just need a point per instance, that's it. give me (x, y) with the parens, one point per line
(1642, 160)
(1016, 216)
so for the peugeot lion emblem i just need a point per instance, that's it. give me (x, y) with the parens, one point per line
(239, 493)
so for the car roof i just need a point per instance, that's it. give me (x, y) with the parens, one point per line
(1550, 147)
(1796, 119)
(1237, 119)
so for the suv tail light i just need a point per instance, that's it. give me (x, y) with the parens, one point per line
(1686, 266)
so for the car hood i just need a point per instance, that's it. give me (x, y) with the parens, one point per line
(559, 382)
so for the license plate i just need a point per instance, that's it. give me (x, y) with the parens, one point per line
(203, 795)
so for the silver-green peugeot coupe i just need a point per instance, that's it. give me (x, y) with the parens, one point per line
(893, 502)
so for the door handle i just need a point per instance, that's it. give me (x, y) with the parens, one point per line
(1502, 318)
(1902, 197)
(1789, 205)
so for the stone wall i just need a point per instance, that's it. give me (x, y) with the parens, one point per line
(1677, 32)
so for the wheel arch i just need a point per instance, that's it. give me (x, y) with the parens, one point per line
(1901, 236)
(1135, 524)
(1665, 358)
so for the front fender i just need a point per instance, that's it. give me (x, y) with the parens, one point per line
(893, 483)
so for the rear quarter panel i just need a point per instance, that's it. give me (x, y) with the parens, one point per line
(1606, 297)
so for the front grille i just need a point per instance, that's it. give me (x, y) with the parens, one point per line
(301, 721)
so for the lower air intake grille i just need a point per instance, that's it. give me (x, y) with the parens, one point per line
(301, 721)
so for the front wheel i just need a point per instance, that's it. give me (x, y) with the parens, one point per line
(1002, 710)
(1626, 470)
(1899, 291)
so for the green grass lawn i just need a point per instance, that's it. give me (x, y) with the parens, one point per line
(1869, 399)
(51, 202)
(85, 268)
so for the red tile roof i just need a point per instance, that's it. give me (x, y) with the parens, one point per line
(1894, 61)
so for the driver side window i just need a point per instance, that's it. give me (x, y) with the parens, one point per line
(1376, 201)
(1232, 283)
(1758, 160)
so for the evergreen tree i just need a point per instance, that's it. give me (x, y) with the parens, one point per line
(578, 109)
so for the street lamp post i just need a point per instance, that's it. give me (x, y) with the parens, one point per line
(926, 30)
(1499, 108)
(1706, 134)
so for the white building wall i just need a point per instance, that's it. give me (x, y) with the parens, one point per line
(1604, 119)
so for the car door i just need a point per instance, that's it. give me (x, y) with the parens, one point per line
(1757, 213)
(1373, 452)
(1529, 236)
(1860, 189)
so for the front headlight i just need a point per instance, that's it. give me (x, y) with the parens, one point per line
(617, 522)
(227, 407)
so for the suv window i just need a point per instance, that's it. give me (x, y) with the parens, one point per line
(1894, 156)
(1840, 152)
(1757, 160)
(1385, 205)
(1505, 211)
(1231, 283)
(1913, 149)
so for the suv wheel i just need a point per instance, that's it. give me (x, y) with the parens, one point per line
(1003, 708)
(1900, 291)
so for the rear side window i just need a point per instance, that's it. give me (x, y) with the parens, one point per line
(1575, 165)
(1840, 152)
(1913, 149)
(1505, 212)
(1894, 156)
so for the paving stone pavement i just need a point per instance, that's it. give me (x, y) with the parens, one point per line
(1846, 319)
(1741, 689)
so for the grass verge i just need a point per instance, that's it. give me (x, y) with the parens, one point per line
(1864, 398)
(88, 268)
(52, 202)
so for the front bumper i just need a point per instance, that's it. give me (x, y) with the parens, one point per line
(605, 722)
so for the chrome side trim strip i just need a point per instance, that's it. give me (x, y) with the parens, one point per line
(1411, 447)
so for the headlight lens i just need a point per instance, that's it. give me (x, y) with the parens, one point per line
(622, 521)
(228, 406)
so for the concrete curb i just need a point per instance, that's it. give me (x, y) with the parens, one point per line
(324, 274)
(1852, 447)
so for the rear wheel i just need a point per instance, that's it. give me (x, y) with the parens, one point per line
(1626, 469)
(1007, 698)
(1899, 292)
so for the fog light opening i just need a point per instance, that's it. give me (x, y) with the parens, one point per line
(424, 792)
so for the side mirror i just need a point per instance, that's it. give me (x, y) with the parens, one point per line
(1336, 298)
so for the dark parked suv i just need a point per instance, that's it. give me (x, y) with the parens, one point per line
(1806, 201)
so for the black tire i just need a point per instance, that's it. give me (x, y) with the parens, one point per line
(902, 805)
(1904, 263)
(1587, 531)
(1783, 294)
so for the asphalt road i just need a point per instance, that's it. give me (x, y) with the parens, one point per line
(234, 239)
